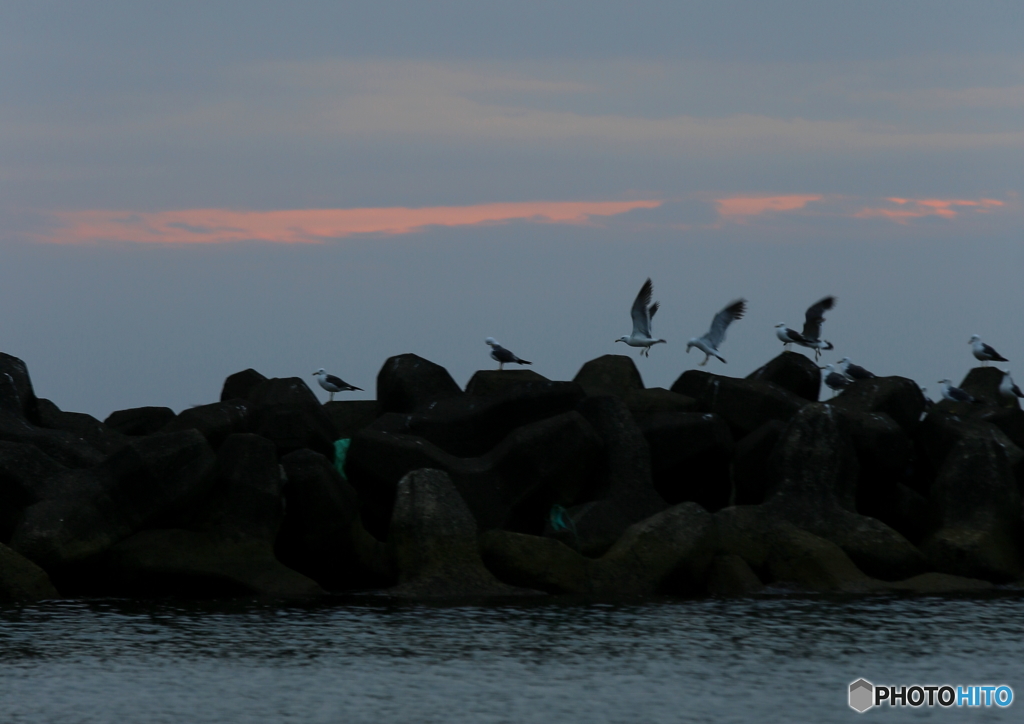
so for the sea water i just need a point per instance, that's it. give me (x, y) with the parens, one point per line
(775, 658)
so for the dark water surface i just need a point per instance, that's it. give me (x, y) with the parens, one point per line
(773, 659)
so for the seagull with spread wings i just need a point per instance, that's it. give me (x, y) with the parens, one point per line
(708, 344)
(812, 326)
(643, 312)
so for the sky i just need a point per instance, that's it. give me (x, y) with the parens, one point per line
(190, 189)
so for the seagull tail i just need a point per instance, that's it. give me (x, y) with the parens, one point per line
(830, 345)
(523, 362)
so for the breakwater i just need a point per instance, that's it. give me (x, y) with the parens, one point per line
(515, 486)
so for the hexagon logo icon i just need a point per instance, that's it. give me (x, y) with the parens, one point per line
(862, 695)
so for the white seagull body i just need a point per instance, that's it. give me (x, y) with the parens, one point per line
(503, 356)
(643, 312)
(835, 381)
(1007, 388)
(854, 372)
(983, 352)
(954, 394)
(708, 344)
(333, 384)
(787, 336)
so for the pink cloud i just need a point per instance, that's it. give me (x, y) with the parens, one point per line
(903, 210)
(306, 226)
(739, 207)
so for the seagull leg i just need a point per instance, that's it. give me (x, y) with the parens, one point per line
(706, 358)
(332, 398)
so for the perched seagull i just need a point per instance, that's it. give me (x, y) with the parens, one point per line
(502, 356)
(1007, 388)
(643, 312)
(812, 326)
(708, 344)
(855, 372)
(983, 352)
(954, 394)
(836, 381)
(333, 384)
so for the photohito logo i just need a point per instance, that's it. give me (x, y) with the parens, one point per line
(864, 695)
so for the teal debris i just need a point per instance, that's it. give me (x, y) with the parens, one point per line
(340, 453)
(560, 520)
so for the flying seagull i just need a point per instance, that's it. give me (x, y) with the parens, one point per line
(333, 384)
(811, 334)
(643, 312)
(812, 326)
(954, 394)
(708, 344)
(983, 352)
(836, 381)
(502, 356)
(855, 372)
(1007, 387)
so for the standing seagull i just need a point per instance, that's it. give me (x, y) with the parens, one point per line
(708, 344)
(1007, 388)
(836, 381)
(855, 372)
(954, 394)
(643, 312)
(983, 352)
(333, 384)
(501, 355)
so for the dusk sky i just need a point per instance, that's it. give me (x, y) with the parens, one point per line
(189, 189)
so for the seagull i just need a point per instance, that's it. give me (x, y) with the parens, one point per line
(708, 344)
(855, 372)
(502, 356)
(643, 312)
(787, 335)
(836, 381)
(811, 334)
(954, 394)
(1007, 388)
(333, 384)
(812, 326)
(983, 352)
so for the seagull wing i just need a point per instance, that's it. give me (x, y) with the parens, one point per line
(501, 354)
(815, 316)
(640, 313)
(857, 372)
(995, 356)
(722, 320)
(338, 382)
